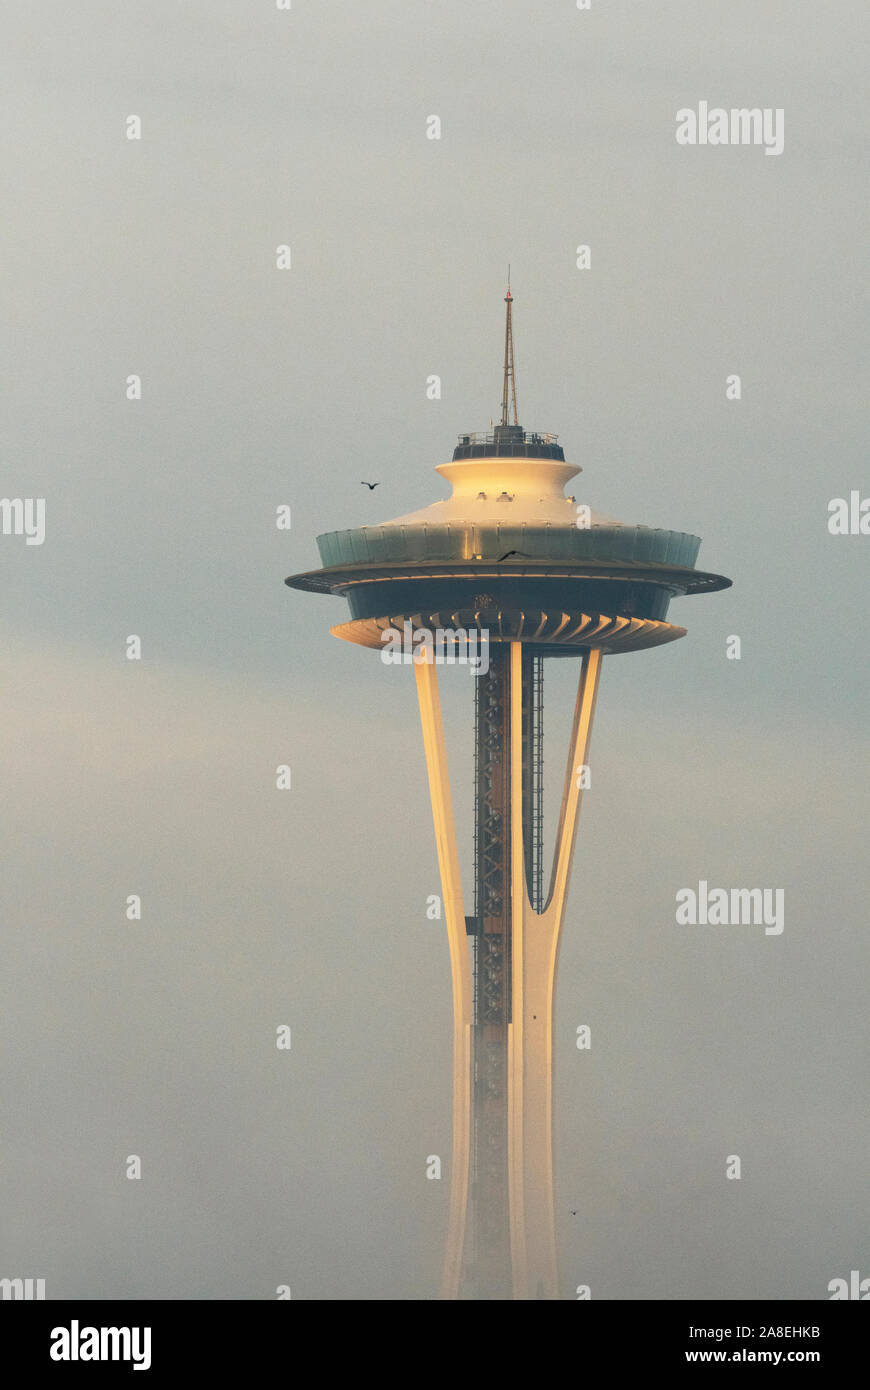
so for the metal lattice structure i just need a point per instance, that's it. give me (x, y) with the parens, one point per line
(533, 775)
(487, 1261)
(490, 1237)
(510, 377)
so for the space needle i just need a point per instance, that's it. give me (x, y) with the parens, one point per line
(510, 557)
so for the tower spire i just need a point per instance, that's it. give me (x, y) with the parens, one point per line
(510, 380)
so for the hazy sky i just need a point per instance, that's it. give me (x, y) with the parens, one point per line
(261, 386)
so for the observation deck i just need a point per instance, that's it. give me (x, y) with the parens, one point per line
(509, 441)
(508, 552)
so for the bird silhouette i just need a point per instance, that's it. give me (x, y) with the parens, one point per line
(371, 486)
(508, 553)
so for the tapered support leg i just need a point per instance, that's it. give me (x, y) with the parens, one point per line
(535, 954)
(454, 912)
(534, 946)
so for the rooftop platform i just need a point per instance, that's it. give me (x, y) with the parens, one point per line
(509, 441)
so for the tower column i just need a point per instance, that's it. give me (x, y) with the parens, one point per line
(501, 1228)
(535, 948)
(454, 913)
(488, 1258)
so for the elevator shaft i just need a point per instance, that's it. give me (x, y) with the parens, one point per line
(489, 1262)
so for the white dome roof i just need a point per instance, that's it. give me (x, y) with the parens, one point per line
(508, 490)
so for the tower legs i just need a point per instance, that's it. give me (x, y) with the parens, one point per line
(530, 953)
(535, 955)
(451, 890)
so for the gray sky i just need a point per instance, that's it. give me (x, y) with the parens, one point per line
(263, 387)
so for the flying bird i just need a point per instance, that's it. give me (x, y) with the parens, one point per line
(508, 553)
(371, 486)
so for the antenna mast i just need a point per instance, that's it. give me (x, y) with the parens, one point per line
(510, 379)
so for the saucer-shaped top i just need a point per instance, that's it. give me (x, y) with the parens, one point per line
(507, 504)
